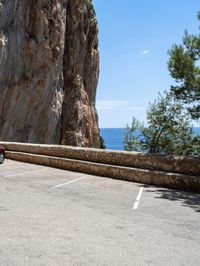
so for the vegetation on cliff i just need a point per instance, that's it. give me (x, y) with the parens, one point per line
(90, 6)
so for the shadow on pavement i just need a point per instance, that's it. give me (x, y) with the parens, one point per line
(188, 199)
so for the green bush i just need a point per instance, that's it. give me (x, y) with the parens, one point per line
(90, 6)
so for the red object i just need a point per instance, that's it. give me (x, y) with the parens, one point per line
(2, 149)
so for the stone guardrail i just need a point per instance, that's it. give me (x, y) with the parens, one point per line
(168, 171)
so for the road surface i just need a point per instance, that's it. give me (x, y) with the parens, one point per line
(55, 217)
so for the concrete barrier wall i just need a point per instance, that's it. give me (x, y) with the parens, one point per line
(174, 164)
(151, 177)
(172, 172)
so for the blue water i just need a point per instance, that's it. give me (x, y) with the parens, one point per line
(113, 137)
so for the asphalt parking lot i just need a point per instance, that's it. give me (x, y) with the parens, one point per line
(55, 217)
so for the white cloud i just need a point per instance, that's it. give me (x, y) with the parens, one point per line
(110, 104)
(145, 52)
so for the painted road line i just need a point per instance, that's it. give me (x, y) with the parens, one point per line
(69, 182)
(137, 201)
(8, 163)
(26, 173)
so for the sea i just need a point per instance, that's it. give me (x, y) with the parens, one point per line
(113, 137)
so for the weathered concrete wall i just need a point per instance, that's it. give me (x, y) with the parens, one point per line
(173, 172)
(174, 164)
(157, 178)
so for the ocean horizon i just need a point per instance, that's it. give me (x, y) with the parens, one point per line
(113, 137)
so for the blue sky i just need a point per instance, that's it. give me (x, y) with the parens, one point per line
(134, 37)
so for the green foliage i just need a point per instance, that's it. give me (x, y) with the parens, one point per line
(184, 67)
(132, 136)
(90, 6)
(102, 143)
(169, 130)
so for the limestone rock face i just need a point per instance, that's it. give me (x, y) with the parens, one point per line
(49, 68)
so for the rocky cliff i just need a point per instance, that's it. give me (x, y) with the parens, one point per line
(49, 67)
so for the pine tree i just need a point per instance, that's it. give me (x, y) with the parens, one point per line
(184, 67)
(169, 129)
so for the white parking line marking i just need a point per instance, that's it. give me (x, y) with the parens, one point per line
(69, 182)
(25, 173)
(137, 201)
(8, 163)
